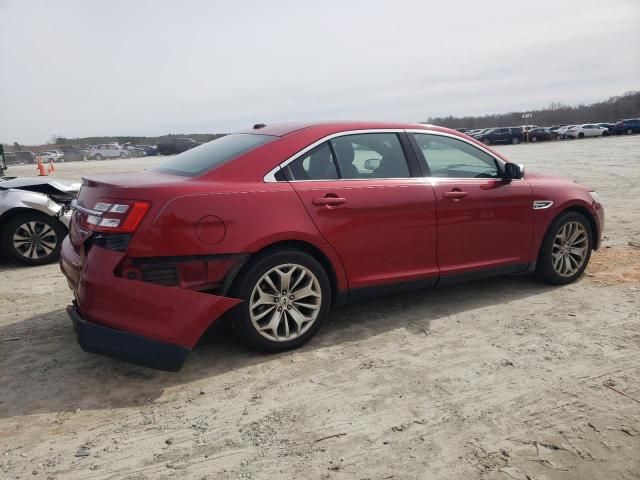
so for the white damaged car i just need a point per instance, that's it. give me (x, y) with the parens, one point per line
(34, 217)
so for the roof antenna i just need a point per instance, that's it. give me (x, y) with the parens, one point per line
(259, 125)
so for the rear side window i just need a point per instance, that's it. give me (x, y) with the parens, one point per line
(317, 164)
(212, 154)
(370, 155)
(351, 157)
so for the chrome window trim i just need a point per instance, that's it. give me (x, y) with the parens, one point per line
(270, 177)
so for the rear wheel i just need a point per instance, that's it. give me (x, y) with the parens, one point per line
(566, 249)
(98, 156)
(33, 238)
(629, 131)
(534, 139)
(286, 295)
(486, 141)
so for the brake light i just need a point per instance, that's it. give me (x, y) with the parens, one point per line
(121, 216)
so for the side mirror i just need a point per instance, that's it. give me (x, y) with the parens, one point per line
(513, 171)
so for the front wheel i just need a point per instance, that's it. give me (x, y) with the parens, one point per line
(566, 249)
(33, 238)
(534, 139)
(581, 135)
(605, 133)
(629, 131)
(515, 140)
(286, 295)
(98, 156)
(123, 155)
(486, 141)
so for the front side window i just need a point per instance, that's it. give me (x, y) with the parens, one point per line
(452, 158)
(212, 154)
(370, 155)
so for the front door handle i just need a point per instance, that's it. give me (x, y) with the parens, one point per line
(455, 194)
(329, 201)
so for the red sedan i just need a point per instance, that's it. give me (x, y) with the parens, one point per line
(274, 226)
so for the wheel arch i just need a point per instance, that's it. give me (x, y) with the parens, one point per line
(585, 213)
(236, 273)
(10, 214)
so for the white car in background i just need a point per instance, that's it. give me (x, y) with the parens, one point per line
(587, 130)
(107, 150)
(562, 131)
(50, 155)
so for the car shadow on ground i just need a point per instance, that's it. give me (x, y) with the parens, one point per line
(45, 371)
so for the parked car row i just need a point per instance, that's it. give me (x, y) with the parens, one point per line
(535, 133)
(104, 151)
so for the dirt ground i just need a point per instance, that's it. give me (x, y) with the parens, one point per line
(496, 379)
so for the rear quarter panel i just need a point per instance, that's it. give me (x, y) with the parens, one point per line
(253, 217)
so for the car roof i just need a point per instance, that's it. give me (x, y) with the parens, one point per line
(282, 129)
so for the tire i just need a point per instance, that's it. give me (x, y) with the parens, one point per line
(246, 321)
(605, 133)
(546, 271)
(629, 131)
(97, 156)
(534, 139)
(486, 141)
(123, 155)
(581, 135)
(17, 234)
(515, 140)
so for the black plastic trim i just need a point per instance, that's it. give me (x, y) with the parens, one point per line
(94, 338)
(358, 294)
(484, 273)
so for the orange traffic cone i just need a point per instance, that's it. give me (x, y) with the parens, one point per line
(51, 167)
(41, 169)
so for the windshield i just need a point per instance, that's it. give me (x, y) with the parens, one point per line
(212, 154)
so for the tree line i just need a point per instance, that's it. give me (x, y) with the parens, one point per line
(610, 110)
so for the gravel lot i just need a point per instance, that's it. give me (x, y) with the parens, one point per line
(498, 379)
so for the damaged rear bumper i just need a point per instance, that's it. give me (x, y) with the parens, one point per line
(144, 323)
(127, 346)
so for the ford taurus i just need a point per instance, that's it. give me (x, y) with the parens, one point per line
(273, 226)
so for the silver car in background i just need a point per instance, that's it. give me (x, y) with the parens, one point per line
(34, 217)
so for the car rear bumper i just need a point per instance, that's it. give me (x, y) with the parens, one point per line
(127, 346)
(149, 318)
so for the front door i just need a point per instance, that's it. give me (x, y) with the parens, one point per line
(484, 221)
(380, 220)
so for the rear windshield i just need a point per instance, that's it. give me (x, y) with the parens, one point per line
(212, 154)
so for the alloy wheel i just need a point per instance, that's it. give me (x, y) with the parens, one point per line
(569, 250)
(35, 240)
(285, 302)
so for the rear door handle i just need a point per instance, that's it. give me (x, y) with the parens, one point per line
(455, 194)
(329, 201)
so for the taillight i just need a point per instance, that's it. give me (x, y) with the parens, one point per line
(118, 216)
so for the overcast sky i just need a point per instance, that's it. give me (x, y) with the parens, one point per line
(81, 68)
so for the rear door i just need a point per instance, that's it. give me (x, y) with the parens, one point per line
(371, 206)
(484, 222)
